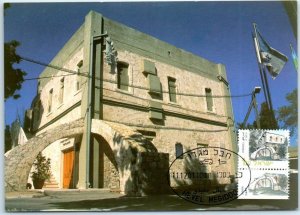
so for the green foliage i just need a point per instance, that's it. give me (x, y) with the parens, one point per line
(8, 141)
(282, 150)
(6, 5)
(13, 78)
(254, 136)
(42, 167)
(288, 115)
(282, 181)
(247, 126)
(267, 118)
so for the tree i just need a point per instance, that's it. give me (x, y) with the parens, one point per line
(282, 150)
(13, 78)
(8, 143)
(288, 115)
(267, 118)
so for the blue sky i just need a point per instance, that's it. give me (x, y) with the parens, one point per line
(218, 31)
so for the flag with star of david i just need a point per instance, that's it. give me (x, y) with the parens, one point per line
(270, 57)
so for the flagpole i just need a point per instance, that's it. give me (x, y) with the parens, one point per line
(262, 72)
(257, 49)
(268, 90)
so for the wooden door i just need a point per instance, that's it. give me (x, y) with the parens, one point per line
(68, 168)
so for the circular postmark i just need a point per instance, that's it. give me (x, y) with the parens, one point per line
(208, 175)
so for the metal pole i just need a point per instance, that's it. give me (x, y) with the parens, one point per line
(257, 49)
(262, 72)
(268, 91)
(89, 112)
(256, 111)
(248, 113)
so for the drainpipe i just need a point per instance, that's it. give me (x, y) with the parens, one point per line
(89, 114)
(91, 100)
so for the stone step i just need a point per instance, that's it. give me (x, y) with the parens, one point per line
(51, 183)
(52, 186)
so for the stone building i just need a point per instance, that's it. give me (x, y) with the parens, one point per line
(270, 145)
(167, 99)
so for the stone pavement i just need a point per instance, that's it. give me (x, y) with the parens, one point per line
(104, 200)
(64, 193)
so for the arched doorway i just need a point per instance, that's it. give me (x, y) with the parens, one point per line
(264, 153)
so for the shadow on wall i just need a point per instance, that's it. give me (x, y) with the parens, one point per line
(142, 169)
(37, 111)
(108, 170)
(194, 176)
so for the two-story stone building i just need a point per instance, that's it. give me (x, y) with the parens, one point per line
(176, 100)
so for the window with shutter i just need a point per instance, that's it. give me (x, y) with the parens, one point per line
(154, 84)
(155, 110)
(149, 67)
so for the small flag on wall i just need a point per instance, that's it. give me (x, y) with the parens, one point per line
(295, 57)
(270, 57)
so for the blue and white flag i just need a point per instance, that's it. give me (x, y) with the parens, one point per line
(295, 58)
(271, 58)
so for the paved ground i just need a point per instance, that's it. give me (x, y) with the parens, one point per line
(103, 200)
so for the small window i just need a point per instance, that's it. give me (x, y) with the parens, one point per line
(172, 89)
(50, 97)
(209, 101)
(179, 150)
(61, 91)
(123, 79)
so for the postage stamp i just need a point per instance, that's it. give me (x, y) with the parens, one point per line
(266, 153)
(266, 183)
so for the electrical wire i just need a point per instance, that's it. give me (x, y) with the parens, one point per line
(31, 79)
(128, 85)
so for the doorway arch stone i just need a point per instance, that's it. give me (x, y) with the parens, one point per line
(140, 166)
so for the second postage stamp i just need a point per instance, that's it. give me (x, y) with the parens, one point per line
(266, 152)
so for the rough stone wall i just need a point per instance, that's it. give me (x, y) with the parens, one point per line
(195, 106)
(111, 175)
(154, 177)
(128, 147)
(71, 95)
(130, 153)
(189, 132)
(19, 161)
(186, 82)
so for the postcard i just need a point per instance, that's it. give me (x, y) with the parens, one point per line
(150, 106)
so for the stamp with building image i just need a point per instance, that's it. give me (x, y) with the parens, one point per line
(266, 152)
(266, 183)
